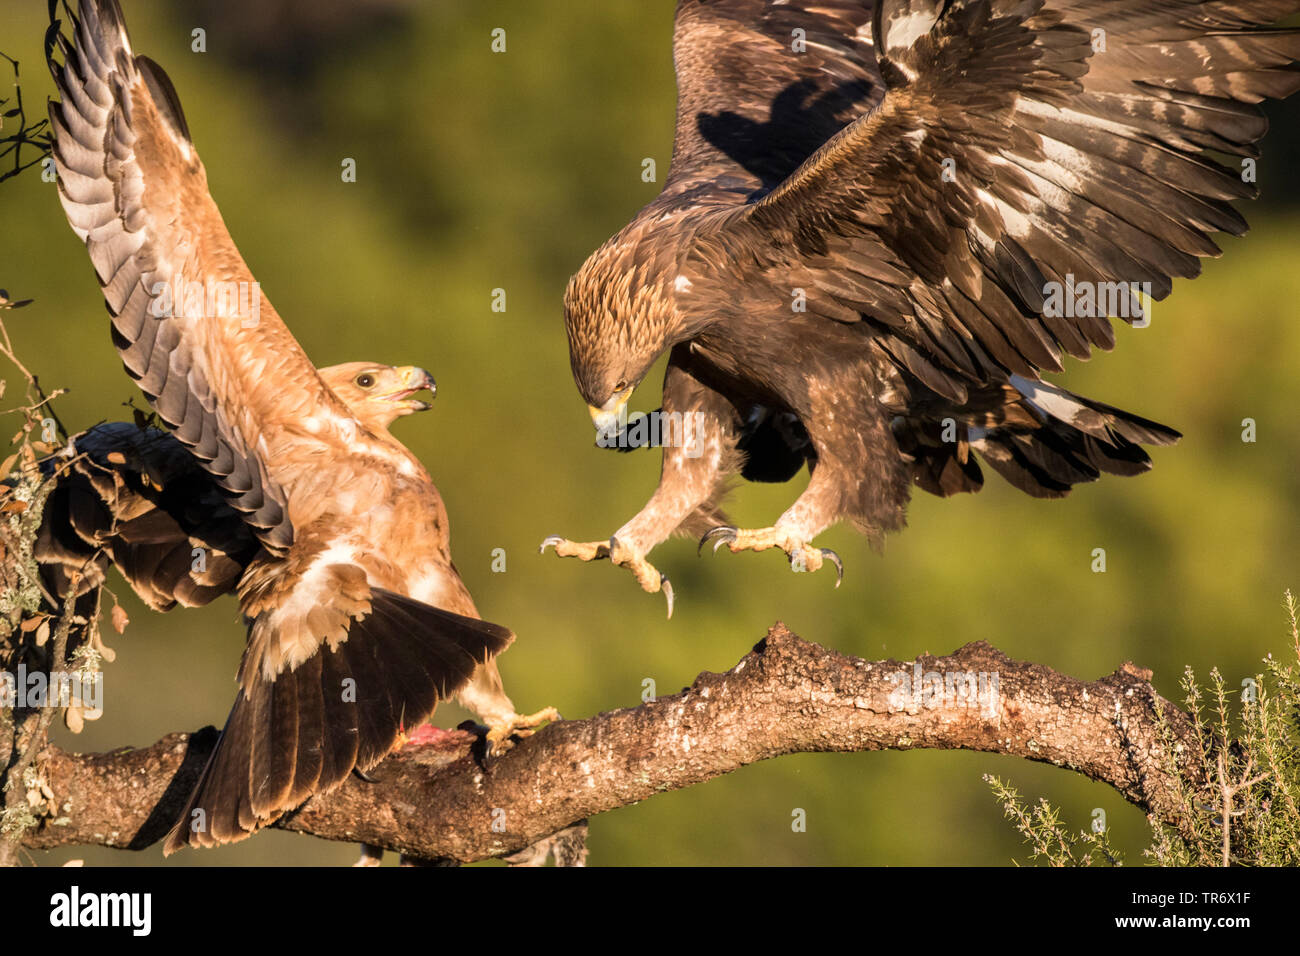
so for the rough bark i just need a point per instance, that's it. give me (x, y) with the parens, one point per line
(445, 800)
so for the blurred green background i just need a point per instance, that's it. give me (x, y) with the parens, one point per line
(478, 171)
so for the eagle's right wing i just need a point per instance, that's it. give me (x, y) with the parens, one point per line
(760, 85)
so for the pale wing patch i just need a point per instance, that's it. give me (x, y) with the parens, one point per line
(432, 587)
(315, 608)
(1053, 402)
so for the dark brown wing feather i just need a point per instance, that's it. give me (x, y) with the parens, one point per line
(760, 86)
(136, 498)
(306, 730)
(1065, 164)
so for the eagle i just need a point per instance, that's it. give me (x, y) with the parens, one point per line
(284, 477)
(884, 224)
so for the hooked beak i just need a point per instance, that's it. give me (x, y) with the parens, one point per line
(609, 417)
(415, 380)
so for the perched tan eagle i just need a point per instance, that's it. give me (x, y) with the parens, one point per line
(331, 533)
(882, 225)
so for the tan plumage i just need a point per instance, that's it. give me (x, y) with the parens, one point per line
(358, 622)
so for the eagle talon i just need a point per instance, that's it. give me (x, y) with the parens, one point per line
(834, 559)
(582, 550)
(518, 725)
(725, 534)
(802, 556)
(647, 575)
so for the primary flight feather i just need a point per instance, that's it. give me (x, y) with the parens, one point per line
(883, 225)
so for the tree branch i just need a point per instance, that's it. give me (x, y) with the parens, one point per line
(442, 800)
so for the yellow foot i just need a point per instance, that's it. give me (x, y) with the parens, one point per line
(651, 581)
(582, 550)
(518, 725)
(802, 555)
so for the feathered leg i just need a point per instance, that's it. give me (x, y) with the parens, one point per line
(857, 473)
(696, 465)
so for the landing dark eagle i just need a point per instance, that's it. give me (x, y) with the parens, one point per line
(882, 226)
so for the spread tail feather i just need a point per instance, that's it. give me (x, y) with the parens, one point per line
(306, 730)
(1044, 441)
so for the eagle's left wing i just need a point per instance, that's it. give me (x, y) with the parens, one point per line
(1016, 147)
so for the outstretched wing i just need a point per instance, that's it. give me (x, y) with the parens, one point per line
(760, 85)
(1022, 144)
(136, 498)
(189, 319)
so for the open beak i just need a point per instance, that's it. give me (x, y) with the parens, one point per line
(609, 418)
(415, 380)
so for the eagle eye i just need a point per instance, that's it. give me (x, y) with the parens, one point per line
(365, 380)
(620, 387)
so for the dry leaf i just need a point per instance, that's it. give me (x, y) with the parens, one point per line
(13, 507)
(32, 623)
(8, 466)
(43, 633)
(116, 457)
(41, 797)
(106, 652)
(120, 620)
(73, 718)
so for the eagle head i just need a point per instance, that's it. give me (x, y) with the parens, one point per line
(378, 395)
(620, 317)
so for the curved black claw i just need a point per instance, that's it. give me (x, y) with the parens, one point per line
(667, 587)
(725, 534)
(834, 559)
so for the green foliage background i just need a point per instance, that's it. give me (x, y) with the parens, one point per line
(479, 170)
